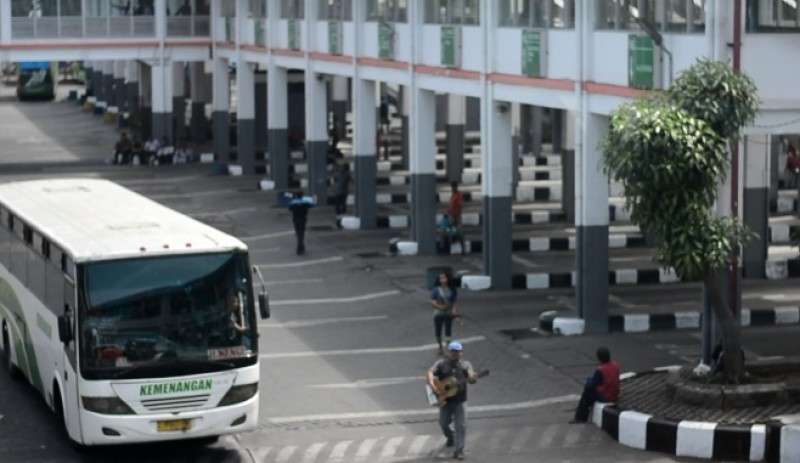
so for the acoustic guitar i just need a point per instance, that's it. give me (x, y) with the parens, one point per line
(447, 388)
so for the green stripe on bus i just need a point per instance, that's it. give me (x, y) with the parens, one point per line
(23, 341)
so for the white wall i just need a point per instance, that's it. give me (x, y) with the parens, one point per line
(773, 61)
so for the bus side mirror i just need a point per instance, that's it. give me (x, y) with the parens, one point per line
(263, 304)
(64, 331)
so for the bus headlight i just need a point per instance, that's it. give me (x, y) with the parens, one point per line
(106, 405)
(239, 394)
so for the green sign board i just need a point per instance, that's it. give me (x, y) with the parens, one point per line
(641, 62)
(228, 31)
(334, 38)
(294, 28)
(532, 53)
(450, 46)
(385, 41)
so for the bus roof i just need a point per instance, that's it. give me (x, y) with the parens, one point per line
(94, 219)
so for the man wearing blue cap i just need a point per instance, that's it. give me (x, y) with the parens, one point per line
(454, 410)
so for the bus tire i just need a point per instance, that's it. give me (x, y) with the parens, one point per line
(12, 369)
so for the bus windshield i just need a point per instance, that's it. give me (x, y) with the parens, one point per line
(166, 316)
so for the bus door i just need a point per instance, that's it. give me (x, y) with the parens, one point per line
(70, 372)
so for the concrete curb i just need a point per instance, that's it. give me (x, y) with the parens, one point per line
(775, 442)
(638, 323)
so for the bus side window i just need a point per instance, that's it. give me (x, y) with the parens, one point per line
(5, 241)
(54, 283)
(69, 313)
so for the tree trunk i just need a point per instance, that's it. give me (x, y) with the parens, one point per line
(730, 330)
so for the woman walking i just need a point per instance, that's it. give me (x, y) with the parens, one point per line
(443, 299)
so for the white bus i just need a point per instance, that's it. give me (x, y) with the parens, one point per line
(135, 322)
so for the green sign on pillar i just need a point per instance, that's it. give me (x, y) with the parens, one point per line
(642, 63)
(451, 46)
(259, 32)
(294, 43)
(532, 41)
(228, 32)
(385, 41)
(334, 38)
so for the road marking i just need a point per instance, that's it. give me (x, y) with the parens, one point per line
(285, 454)
(370, 383)
(522, 438)
(547, 436)
(322, 321)
(267, 236)
(340, 449)
(375, 350)
(226, 212)
(391, 447)
(417, 445)
(341, 300)
(365, 448)
(312, 452)
(496, 441)
(193, 194)
(428, 411)
(261, 454)
(573, 435)
(304, 263)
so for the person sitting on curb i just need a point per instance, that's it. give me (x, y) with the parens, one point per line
(601, 386)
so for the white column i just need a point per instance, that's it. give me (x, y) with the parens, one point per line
(364, 150)
(246, 115)
(221, 101)
(5, 21)
(278, 125)
(316, 119)
(160, 18)
(422, 128)
(454, 132)
(161, 81)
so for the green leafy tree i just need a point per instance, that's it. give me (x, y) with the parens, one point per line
(670, 151)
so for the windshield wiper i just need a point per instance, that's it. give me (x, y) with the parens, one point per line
(173, 362)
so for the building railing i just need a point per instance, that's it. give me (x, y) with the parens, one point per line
(77, 27)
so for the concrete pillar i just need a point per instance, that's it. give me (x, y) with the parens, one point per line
(568, 173)
(278, 126)
(120, 90)
(246, 117)
(473, 120)
(340, 93)
(537, 121)
(200, 96)
(221, 118)
(591, 203)
(755, 201)
(365, 156)
(775, 166)
(557, 121)
(404, 125)
(423, 169)
(441, 111)
(88, 69)
(454, 133)
(97, 82)
(179, 100)
(515, 145)
(317, 135)
(496, 175)
(5, 21)
(161, 81)
(132, 93)
(525, 134)
(146, 91)
(261, 110)
(108, 84)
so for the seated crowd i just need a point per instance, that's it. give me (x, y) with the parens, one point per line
(153, 152)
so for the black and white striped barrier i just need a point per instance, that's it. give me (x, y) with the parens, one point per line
(552, 322)
(686, 438)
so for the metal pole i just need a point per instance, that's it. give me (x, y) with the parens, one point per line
(735, 302)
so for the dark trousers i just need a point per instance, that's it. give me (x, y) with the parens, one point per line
(300, 233)
(588, 398)
(443, 321)
(341, 204)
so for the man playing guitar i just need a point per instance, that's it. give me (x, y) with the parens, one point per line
(455, 405)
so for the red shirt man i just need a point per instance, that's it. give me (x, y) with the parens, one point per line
(601, 386)
(456, 204)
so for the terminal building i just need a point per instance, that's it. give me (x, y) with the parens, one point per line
(507, 97)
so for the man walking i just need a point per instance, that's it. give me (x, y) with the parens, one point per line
(341, 190)
(454, 410)
(299, 205)
(601, 386)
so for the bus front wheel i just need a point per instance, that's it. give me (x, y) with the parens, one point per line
(12, 369)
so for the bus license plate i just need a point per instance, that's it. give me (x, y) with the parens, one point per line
(174, 425)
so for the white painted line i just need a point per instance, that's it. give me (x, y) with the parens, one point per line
(266, 236)
(417, 445)
(426, 411)
(365, 448)
(312, 452)
(226, 212)
(547, 436)
(496, 440)
(574, 434)
(521, 439)
(296, 282)
(370, 383)
(341, 300)
(339, 450)
(285, 454)
(304, 263)
(390, 448)
(321, 321)
(374, 350)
